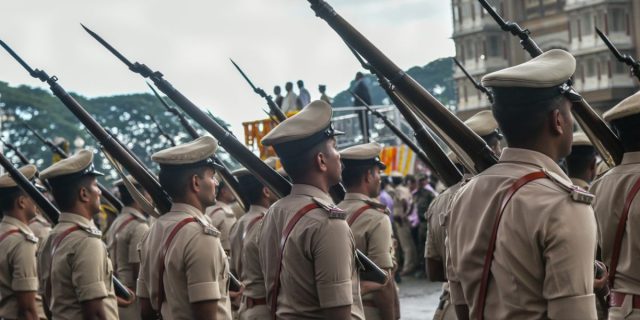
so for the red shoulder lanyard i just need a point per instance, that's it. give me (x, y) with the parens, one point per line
(357, 214)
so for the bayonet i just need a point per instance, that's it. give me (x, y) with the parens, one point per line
(162, 132)
(17, 152)
(275, 109)
(603, 138)
(475, 82)
(624, 58)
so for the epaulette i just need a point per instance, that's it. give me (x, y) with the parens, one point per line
(377, 206)
(332, 210)
(577, 194)
(207, 228)
(92, 231)
(29, 236)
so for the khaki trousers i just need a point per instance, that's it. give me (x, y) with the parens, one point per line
(626, 311)
(407, 246)
(260, 312)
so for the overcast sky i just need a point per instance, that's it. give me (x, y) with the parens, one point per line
(191, 41)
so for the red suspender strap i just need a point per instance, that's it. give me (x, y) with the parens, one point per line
(54, 248)
(8, 233)
(163, 254)
(357, 214)
(617, 243)
(488, 258)
(283, 240)
(114, 259)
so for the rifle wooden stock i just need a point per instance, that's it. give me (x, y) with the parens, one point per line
(150, 184)
(411, 90)
(604, 140)
(50, 210)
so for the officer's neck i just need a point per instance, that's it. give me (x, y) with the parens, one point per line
(20, 215)
(192, 200)
(317, 181)
(82, 209)
(360, 188)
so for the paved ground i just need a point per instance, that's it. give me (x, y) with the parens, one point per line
(418, 298)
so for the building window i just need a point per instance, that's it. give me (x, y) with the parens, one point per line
(494, 46)
(469, 53)
(587, 24)
(618, 21)
(591, 67)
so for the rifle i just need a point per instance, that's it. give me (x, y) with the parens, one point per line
(162, 132)
(476, 148)
(604, 140)
(225, 173)
(624, 58)
(267, 176)
(51, 211)
(445, 168)
(110, 197)
(475, 82)
(145, 178)
(17, 152)
(275, 110)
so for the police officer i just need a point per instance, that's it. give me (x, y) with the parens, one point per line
(402, 206)
(581, 162)
(369, 222)
(74, 265)
(123, 238)
(616, 208)
(184, 270)
(307, 251)
(521, 236)
(244, 247)
(18, 244)
(222, 216)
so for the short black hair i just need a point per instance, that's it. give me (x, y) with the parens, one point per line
(65, 189)
(8, 197)
(410, 178)
(176, 179)
(628, 129)
(251, 188)
(297, 166)
(221, 185)
(125, 195)
(580, 159)
(352, 175)
(520, 122)
(300, 83)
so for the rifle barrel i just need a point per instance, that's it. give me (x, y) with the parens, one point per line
(20, 155)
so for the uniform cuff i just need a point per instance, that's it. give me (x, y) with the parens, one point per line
(141, 289)
(204, 291)
(576, 307)
(457, 296)
(335, 294)
(383, 261)
(25, 284)
(91, 291)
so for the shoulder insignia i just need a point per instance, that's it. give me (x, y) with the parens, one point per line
(92, 231)
(208, 228)
(577, 194)
(30, 237)
(333, 211)
(377, 206)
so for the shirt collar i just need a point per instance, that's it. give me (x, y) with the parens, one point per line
(254, 208)
(580, 183)
(533, 158)
(311, 191)
(134, 212)
(76, 219)
(40, 218)
(631, 157)
(188, 209)
(17, 223)
(356, 196)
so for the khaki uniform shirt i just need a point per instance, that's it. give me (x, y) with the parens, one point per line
(611, 192)
(545, 247)
(238, 234)
(123, 245)
(196, 267)
(251, 274)
(437, 219)
(371, 230)
(222, 218)
(402, 201)
(40, 227)
(318, 264)
(79, 271)
(18, 270)
(580, 183)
